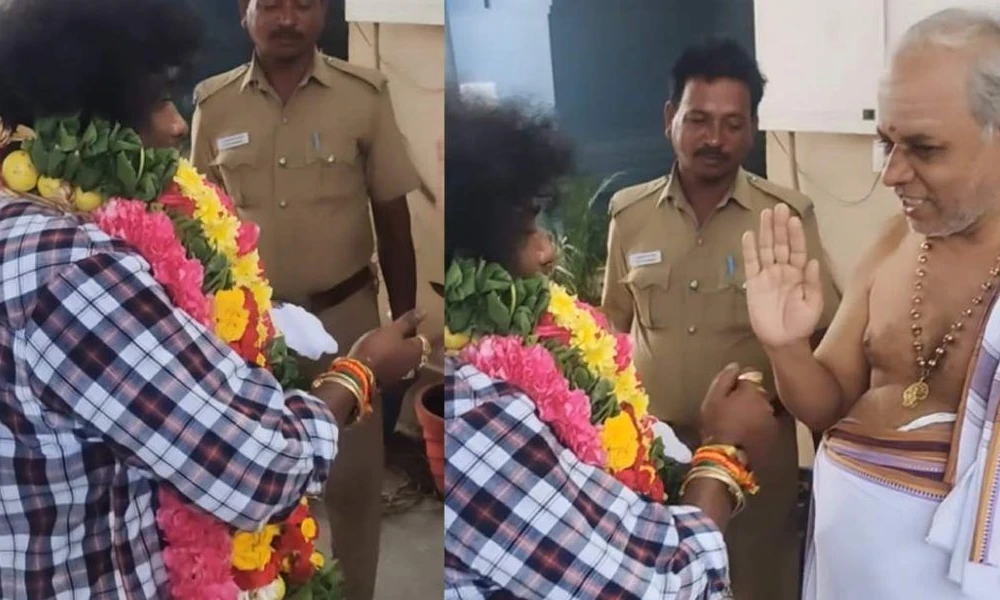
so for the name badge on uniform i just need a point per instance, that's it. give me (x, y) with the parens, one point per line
(643, 259)
(232, 141)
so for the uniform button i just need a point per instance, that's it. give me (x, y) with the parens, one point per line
(693, 284)
(282, 161)
(700, 241)
(744, 286)
(284, 120)
(692, 330)
(330, 159)
(283, 204)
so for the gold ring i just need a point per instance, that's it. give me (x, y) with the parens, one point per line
(425, 349)
(754, 377)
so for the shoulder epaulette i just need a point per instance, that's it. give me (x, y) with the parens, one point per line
(210, 86)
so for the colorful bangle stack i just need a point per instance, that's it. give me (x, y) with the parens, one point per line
(357, 378)
(726, 464)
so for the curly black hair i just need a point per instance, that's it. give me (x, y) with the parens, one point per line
(114, 59)
(718, 58)
(500, 161)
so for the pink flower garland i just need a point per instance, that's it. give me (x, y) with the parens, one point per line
(152, 235)
(198, 554)
(533, 370)
(198, 550)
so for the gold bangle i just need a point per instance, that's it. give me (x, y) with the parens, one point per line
(705, 472)
(738, 498)
(358, 413)
(362, 408)
(370, 374)
(364, 399)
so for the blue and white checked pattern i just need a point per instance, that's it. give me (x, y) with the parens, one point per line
(524, 518)
(106, 392)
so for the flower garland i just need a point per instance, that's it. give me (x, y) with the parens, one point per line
(206, 259)
(578, 372)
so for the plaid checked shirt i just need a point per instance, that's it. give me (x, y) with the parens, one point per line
(524, 518)
(106, 393)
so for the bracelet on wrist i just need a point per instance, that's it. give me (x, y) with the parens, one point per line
(706, 472)
(726, 464)
(357, 378)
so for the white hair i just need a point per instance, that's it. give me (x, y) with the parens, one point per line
(973, 30)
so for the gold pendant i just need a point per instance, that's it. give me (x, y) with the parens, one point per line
(915, 393)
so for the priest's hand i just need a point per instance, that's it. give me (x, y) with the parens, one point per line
(784, 294)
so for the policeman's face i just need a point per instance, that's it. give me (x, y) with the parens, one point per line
(711, 128)
(284, 29)
(940, 162)
(166, 127)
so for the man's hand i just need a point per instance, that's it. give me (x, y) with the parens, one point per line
(738, 413)
(392, 351)
(784, 292)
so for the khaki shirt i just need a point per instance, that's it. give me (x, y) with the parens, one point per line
(680, 289)
(304, 171)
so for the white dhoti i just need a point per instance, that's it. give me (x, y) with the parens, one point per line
(869, 539)
(913, 514)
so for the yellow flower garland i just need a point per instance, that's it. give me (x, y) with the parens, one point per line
(222, 231)
(597, 348)
(252, 551)
(231, 317)
(621, 441)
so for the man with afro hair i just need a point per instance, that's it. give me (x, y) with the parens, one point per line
(109, 393)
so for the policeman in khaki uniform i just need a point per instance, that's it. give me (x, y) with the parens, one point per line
(307, 145)
(675, 281)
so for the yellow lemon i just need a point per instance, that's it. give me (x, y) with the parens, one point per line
(87, 201)
(455, 341)
(19, 172)
(50, 187)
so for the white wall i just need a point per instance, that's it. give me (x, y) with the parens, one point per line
(412, 57)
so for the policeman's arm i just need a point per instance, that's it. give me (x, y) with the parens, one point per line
(616, 302)
(201, 149)
(390, 176)
(396, 255)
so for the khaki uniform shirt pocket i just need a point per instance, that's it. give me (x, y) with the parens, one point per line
(338, 172)
(241, 176)
(650, 287)
(725, 309)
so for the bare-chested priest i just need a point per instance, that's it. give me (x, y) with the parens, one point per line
(906, 382)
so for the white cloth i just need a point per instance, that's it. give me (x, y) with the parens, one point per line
(931, 419)
(672, 446)
(868, 542)
(303, 331)
(971, 509)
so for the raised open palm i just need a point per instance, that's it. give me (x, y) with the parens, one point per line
(784, 294)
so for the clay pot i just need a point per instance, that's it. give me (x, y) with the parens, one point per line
(429, 406)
